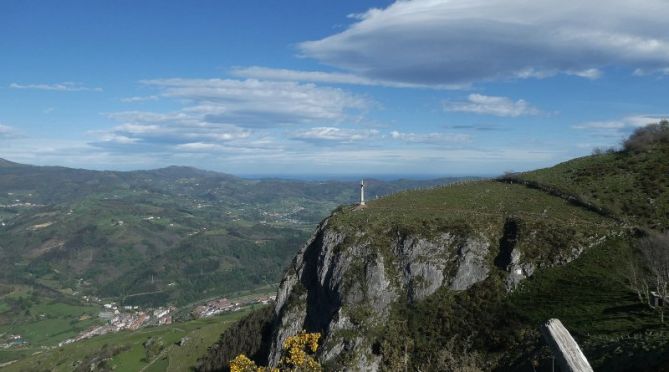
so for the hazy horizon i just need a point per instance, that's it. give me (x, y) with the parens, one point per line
(297, 87)
(297, 176)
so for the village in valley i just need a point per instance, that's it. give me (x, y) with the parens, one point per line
(118, 318)
(218, 306)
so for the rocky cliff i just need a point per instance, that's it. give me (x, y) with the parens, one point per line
(362, 264)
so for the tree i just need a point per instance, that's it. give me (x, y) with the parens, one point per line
(644, 137)
(650, 278)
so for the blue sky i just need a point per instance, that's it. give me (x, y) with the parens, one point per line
(421, 87)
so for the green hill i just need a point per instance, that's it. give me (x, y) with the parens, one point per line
(175, 235)
(629, 185)
(463, 276)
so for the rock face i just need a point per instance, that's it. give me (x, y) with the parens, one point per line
(337, 282)
(341, 284)
(472, 265)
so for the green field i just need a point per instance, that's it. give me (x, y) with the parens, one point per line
(43, 320)
(126, 352)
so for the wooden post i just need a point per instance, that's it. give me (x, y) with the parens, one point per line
(569, 356)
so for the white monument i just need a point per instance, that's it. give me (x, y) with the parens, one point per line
(362, 192)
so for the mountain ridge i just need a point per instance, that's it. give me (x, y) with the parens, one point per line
(4, 163)
(184, 170)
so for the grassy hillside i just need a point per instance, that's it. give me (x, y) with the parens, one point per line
(483, 205)
(148, 349)
(41, 316)
(601, 204)
(633, 185)
(590, 295)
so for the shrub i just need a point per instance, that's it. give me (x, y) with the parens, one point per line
(603, 150)
(298, 353)
(242, 363)
(645, 137)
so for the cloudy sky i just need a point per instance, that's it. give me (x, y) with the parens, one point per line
(346, 87)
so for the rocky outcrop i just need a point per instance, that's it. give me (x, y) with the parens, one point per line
(343, 283)
(472, 264)
(423, 263)
(517, 271)
(338, 284)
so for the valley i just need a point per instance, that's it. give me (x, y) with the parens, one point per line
(73, 240)
(334, 186)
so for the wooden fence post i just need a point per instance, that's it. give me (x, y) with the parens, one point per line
(566, 351)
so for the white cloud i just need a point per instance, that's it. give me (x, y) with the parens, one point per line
(265, 73)
(436, 42)
(643, 120)
(76, 153)
(601, 125)
(239, 113)
(147, 117)
(6, 131)
(111, 137)
(256, 103)
(491, 105)
(139, 99)
(614, 130)
(265, 155)
(61, 87)
(430, 138)
(407, 160)
(277, 74)
(591, 73)
(167, 131)
(198, 146)
(642, 72)
(332, 134)
(626, 123)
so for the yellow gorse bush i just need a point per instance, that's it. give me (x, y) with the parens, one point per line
(297, 356)
(242, 363)
(297, 349)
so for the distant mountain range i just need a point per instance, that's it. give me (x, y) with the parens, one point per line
(169, 235)
(8, 164)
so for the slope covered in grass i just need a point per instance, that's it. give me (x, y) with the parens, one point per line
(547, 225)
(576, 224)
(633, 185)
(128, 351)
(591, 297)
